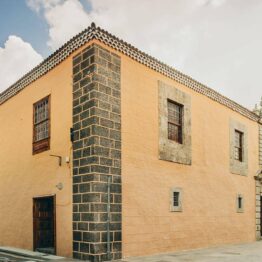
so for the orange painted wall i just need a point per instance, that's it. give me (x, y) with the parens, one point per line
(23, 175)
(209, 214)
(209, 190)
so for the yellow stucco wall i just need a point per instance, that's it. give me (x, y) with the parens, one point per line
(23, 175)
(209, 214)
(209, 190)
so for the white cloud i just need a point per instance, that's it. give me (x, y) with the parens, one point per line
(16, 58)
(214, 3)
(65, 20)
(37, 5)
(214, 41)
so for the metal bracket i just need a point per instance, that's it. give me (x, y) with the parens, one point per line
(59, 159)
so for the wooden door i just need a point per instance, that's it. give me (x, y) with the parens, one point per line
(44, 224)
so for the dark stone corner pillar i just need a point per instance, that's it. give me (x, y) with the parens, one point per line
(96, 154)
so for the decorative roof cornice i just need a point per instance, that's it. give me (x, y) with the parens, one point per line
(93, 32)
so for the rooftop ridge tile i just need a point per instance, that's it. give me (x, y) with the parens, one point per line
(94, 32)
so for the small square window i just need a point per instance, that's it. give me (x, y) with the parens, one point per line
(240, 203)
(176, 200)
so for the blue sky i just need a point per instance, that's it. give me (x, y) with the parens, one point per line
(18, 19)
(217, 42)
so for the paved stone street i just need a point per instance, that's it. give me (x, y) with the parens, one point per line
(6, 257)
(9, 257)
(251, 252)
(11, 254)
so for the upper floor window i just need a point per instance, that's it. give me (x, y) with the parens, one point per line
(41, 134)
(175, 118)
(238, 145)
(238, 142)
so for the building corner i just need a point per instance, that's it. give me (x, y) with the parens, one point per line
(97, 227)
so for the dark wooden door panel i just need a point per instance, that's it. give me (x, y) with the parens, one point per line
(44, 223)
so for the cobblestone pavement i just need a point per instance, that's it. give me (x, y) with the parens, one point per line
(251, 252)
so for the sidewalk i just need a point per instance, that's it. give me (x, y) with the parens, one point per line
(251, 252)
(17, 254)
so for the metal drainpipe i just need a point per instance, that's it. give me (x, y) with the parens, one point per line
(108, 218)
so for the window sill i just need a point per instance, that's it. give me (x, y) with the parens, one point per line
(176, 209)
(41, 146)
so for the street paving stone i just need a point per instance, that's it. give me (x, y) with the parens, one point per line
(5, 257)
(251, 252)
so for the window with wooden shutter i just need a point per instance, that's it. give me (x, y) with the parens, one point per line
(41, 129)
(175, 121)
(238, 145)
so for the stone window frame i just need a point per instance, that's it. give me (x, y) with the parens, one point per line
(238, 167)
(240, 209)
(178, 208)
(171, 150)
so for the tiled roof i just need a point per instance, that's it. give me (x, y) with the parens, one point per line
(94, 32)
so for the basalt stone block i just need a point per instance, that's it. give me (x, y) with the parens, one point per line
(96, 153)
